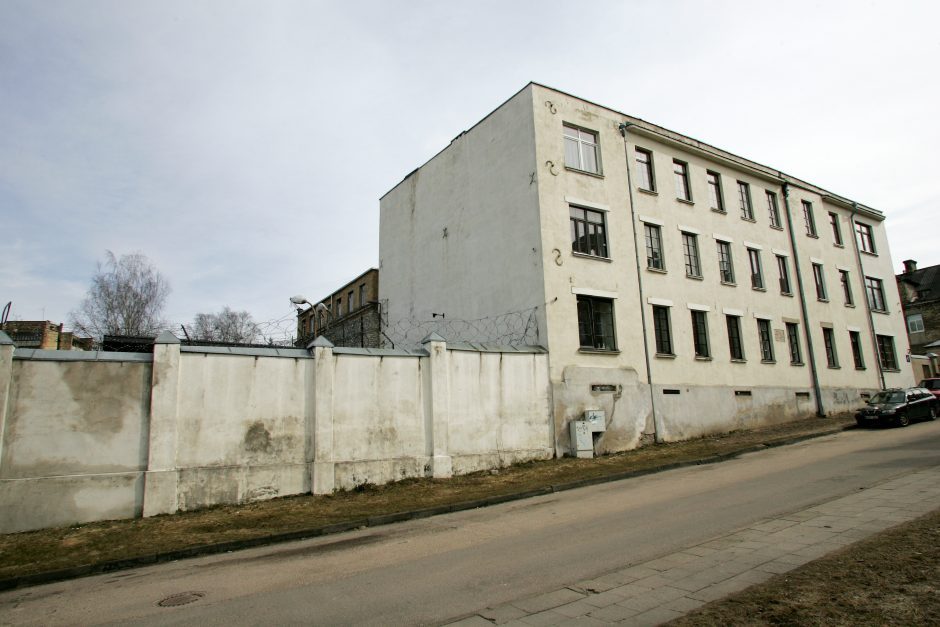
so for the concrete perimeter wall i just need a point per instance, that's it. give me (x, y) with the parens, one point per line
(94, 436)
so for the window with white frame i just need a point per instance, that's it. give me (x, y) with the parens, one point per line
(581, 150)
(915, 323)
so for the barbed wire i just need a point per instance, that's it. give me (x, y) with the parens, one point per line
(515, 328)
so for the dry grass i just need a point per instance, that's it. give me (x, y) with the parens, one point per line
(892, 578)
(54, 549)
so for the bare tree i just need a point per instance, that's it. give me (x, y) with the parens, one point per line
(126, 297)
(237, 327)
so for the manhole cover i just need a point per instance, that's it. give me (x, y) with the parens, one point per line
(181, 599)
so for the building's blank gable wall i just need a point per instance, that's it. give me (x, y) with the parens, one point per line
(481, 191)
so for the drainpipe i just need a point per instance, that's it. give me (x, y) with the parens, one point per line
(820, 410)
(657, 431)
(861, 278)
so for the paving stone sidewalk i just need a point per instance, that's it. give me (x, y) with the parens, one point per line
(657, 591)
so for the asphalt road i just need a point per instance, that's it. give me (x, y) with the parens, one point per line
(434, 570)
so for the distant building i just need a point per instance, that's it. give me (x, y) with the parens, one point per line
(920, 298)
(44, 335)
(350, 316)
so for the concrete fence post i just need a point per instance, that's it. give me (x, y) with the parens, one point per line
(324, 475)
(441, 462)
(161, 482)
(6, 383)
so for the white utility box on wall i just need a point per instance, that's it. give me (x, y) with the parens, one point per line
(582, 432)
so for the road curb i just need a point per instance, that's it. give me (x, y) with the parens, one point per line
(99, 568)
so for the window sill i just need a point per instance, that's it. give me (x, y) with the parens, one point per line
(797, 363)
(776, 228)
(863, 368)
(873, 254)
(850, 305)
(665, 356)
(768, 361)
(834, 367)
(729, 283)
(891, 369)
(594, 257)
(789, 294)
(702, 358)
(822, 300)
(598, 351)
(721, 211)
(597, 175)
(657, 270)
(749, 219)
(739, 361)
(651, 192)
(695, 277)
(684, 201)
(758, 289)
(813, 235)
(838, 245)
(883, 312)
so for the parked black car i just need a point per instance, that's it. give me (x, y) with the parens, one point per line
(898, 406)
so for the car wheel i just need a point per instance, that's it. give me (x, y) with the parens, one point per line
(903, 420)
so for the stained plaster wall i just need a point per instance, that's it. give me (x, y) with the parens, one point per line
(93, 436)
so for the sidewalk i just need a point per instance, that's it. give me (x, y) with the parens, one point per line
(657, 591)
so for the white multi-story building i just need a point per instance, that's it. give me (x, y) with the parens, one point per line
(679, 287)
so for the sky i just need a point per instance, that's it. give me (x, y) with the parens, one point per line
(243, 146)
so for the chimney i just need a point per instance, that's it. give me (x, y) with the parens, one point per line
(909, 266)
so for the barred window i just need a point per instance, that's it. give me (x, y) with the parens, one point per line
(846, 287)
(784, 271)
(856, 341)
(829, 340)
(772, 210)
(757, 274)
(820, 279)
(808, 218)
